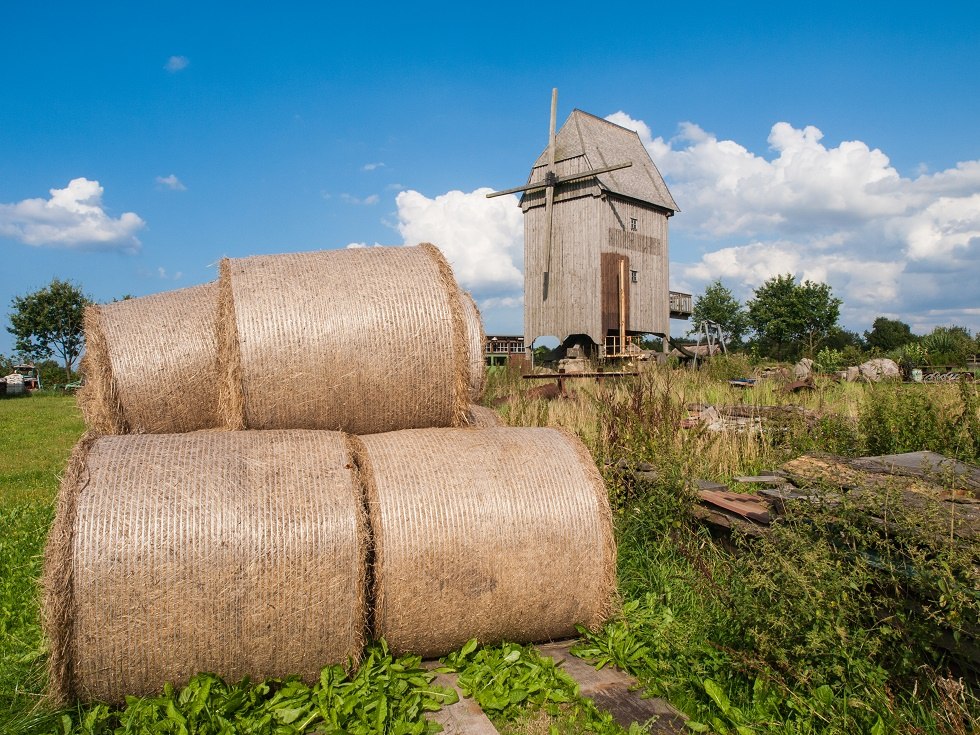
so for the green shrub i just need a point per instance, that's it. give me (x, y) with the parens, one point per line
(911, 418)
(829, 361)
(727, 367)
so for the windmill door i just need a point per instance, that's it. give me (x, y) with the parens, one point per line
(615, 292)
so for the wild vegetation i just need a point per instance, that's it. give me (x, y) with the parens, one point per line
(828, 624)
(786, 320)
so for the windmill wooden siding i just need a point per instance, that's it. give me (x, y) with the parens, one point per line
(623, 213)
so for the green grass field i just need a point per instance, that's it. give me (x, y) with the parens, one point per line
(36, 437)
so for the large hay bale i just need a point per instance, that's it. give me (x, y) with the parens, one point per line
(238, 553)
(497, 534)
(475, 339)
(361, 340)
(150, 363)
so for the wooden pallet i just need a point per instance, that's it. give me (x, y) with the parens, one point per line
(612, 691)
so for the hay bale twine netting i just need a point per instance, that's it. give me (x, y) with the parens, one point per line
(362, 340)
(241, 553)
(497, 534)
(475, 339)
(150, 363)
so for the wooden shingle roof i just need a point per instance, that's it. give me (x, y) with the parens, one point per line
(602, 143)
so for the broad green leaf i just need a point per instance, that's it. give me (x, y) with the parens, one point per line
(718, 695)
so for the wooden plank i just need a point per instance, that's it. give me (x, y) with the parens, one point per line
(709, 485)
(762, 479)
(926, 465)
(463, 717)
(747, 506)
(616, 692)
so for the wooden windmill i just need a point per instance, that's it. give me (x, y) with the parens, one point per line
(595, 237)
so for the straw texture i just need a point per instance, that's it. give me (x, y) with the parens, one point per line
(475, 339)
(362, 340)
(497, 534)
(150, 363)
(483, 417)
(239, 553)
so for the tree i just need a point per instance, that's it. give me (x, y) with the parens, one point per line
(718, 305)
(889, 334)
(787, 316)
(50, 322)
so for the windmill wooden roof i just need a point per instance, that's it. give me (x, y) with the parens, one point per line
(602, 143)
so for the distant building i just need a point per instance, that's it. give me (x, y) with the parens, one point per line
(608, 252)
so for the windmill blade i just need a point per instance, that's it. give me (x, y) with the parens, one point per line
(527, 187)
(549, 203)
(551, 129)
(593, 172)
(544, 183)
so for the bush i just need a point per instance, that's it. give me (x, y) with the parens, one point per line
(727, 367)
(909, 418)
(829, 361)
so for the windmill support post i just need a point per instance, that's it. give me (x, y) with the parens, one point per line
(622, 306)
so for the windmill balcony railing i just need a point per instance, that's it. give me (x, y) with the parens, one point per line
(681, 304)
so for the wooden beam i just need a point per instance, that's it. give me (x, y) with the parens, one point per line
(622, 306)
(561, 180)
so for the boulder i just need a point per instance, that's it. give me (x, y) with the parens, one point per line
(803, 369)
(880, 368)
(852, 374)
(576, 365)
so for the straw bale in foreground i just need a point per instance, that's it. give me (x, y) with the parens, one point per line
(497, 534)
(361, 340)
(238, 553)
(150, 363)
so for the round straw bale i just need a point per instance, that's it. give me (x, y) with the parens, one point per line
(475, 338)
(361, 340)
(483, 417)
(238, 553)
(496, 534)
(150, 363)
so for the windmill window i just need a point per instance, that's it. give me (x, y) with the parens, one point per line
(632, 224)
(633, 275)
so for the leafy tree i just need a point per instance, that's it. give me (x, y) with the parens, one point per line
(787, 316)
(889, 334)
(49, 322)
(717, 304)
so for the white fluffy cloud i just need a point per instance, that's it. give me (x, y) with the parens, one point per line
(176, 63)
(887, 243)
(366, 201)
(171, 182)
(72, 217)
(482, 238)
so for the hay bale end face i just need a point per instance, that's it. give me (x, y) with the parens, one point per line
(497, 534)
(475, 338)
(238, 553)
(150, 363)
(362, 340)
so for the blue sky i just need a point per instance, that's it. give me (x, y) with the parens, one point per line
(836, 141)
